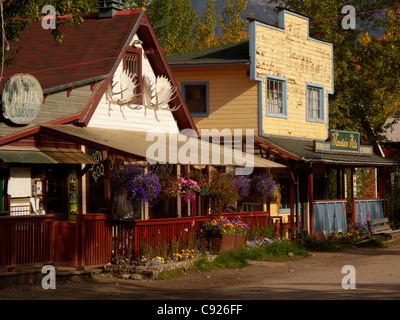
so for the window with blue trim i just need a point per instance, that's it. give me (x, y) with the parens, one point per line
(276, 97)
(315, 103)
(196, 97)
(284, 182)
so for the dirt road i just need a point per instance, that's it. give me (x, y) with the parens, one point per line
(377, 276)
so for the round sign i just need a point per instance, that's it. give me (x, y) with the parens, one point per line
(22, 98)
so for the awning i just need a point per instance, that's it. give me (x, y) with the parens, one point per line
(32, 155)
(158, 147)
(302, 150)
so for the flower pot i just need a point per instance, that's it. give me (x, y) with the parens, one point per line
(240, 238)
(218, 243)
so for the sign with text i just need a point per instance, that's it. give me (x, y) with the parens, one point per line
(22, 99)
(343, 142)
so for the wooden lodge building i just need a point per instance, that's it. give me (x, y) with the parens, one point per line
(278, 83)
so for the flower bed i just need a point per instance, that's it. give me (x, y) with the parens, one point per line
(144, 268)
(355, 232)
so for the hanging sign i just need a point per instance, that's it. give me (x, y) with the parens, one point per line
(342, 142)
(22, 99)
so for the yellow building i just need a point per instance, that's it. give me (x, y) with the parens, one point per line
(277, 83)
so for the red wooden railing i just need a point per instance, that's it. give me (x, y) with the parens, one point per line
(26, 240)
(129, 235)
(40, 240)
(94, 241)
(94, 238)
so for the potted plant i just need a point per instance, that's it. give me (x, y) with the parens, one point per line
(223, 234)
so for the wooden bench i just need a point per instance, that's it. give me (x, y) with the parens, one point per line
(381, 227)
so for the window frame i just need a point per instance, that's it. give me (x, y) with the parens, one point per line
(320, 88)
(280, 177)
(284, 113)
(138, 52)
(196, 83)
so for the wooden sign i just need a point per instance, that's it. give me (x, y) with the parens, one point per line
(342, 142)
(22, 99)
(345, 141)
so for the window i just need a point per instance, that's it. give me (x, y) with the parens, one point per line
(276, 97)
(132, 65)
(284, 182)
(315, 103)
(196, 97)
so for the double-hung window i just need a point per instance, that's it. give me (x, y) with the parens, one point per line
(315, 103)
(196, 96)
(276, 97)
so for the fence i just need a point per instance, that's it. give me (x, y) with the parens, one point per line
(26, 240)
(128, 236)
(94, 238)
(40, 240)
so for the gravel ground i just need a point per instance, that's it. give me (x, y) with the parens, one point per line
(318, 277)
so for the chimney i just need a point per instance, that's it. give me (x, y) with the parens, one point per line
(108, 8)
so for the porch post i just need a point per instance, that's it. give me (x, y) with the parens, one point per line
(311, 200)
(338, 184)
(107, 181)
(353, 206)
(291, 197)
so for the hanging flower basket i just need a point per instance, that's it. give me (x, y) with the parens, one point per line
(265, 185)
(223, 192)
(136, 184)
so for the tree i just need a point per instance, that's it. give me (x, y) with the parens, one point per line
(365, 94)
(179, 28)
(234, 27)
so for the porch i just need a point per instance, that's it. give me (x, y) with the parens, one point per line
(322, 183)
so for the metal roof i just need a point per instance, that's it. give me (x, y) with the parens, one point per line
(31, 155)
(303, 150)
(233, 53)
(178, 148)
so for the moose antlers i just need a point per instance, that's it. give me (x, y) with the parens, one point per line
(156, 96)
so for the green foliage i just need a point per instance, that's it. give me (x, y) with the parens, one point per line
(392, 204)
(180, 29)
(232, 24)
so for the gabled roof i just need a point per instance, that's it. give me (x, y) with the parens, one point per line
(88, 53)
(233, 53)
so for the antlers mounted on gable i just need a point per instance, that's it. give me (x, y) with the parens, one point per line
(127, 94)
(157, 95)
